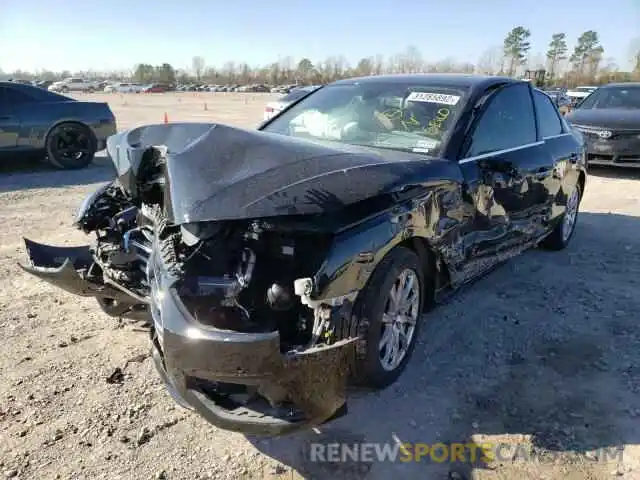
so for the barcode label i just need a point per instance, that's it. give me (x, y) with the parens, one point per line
(433, 98)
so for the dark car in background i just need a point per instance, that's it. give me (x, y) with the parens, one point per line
(609, 120)
(156, 88)
(66, 131)
(561, 99)
(277, 264)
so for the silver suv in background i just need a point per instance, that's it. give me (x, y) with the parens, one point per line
(73, 84)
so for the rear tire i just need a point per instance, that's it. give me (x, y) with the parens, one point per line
(561, 235)
(70, 146)
(384, 324)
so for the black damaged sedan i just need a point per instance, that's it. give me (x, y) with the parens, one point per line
(609, 119)
(279, 265)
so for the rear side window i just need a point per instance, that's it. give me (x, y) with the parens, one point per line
(508, 122)
(548, 118)
(12, 96)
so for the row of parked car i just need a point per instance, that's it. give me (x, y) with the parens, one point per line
(256, 87)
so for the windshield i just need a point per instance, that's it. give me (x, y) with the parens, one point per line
(613, 97)
(398, 116)
(294, 95)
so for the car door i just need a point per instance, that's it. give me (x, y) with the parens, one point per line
(559, 142)
(502, 160)
(9, 122)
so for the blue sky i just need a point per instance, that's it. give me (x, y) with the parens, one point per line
(117, 34)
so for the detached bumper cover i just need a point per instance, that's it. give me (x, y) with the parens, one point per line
(68, 268)
(240, 381)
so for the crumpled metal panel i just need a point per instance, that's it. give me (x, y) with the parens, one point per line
(218, 172)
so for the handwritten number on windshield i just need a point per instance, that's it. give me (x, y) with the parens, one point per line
(435, 125)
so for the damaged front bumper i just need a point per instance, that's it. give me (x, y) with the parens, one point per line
(241, 381)
(72, 270)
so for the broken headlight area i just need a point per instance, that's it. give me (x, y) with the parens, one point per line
(113, 268)
(233, 339)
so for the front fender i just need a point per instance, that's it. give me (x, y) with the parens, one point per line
(434, 216)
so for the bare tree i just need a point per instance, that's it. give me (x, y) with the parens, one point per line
(490, 61)
(197, 63)
(413, 62)
(378, 68)
(634, 54)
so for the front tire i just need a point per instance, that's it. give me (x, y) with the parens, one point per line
(388, 312)
(561, 235)
(70, 146)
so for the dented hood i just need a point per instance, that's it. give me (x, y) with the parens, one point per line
(218, 172)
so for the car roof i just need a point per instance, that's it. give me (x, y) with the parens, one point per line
(459, 80)
(36, 93)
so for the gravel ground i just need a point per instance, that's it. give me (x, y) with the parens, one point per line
(542, 352)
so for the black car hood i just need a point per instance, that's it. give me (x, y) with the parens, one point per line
(218, 172)
(612, 118)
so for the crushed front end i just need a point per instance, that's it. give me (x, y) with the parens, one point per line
(231, 336)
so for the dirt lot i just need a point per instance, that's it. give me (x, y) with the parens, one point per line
(543, 351)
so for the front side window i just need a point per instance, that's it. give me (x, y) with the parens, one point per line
(393, 115)
(621, 97)
(508, 122)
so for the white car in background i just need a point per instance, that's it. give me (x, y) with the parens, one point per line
(124, 87)
(577, 94)
(73, 84)
(273, 108)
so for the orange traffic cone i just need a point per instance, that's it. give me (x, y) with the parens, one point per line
(166, 118)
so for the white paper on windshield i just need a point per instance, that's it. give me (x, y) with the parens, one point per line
(424, 146)
(428, 97)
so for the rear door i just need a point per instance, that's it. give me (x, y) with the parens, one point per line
(503, 157)
(16, 116)
(560, 144)
(9, 121)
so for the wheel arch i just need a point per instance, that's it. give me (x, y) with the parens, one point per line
(582, 180)
(92, 135)
(435, 273)
(71, 121)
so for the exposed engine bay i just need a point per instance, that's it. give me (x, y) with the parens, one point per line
(233, 275)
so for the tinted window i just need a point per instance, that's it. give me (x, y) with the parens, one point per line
(508, 122)
(548, 118)
(627, 97)
(409, 116)
(12, 96)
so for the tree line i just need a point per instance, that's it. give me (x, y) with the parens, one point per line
(585, 63)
